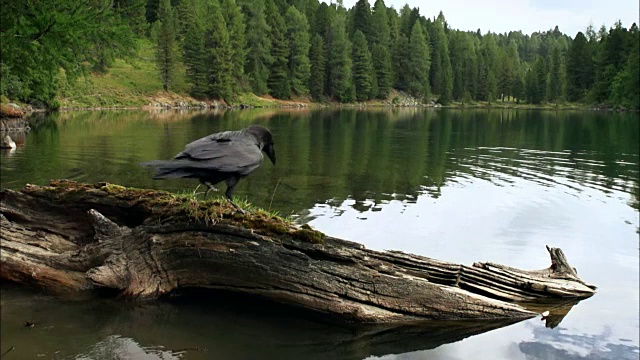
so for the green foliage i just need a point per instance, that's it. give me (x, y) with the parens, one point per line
(218, 54)
(167, 51)
(579, 68)
(316, 79)
(234, 20)
(37, 41)
(278, 81)
(418, 71)
(554, 79)
(194, 56)
(362, 19)
(258, 58)
(298, 36)
(340, 81)
(362, 67)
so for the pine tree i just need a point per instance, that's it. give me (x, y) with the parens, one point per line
(167, 51)
(316, 55)
(380, 32)
(298, 36)
(235, 21)
(401, 61)
(418, 63)
(362, 66)
(194, 57)
(340, 82)
(382, 69)
(278, 81)
(444, 61)
(554, 84)
(362, 19)
(258, 56)
(579, 68)
(492, 87)
(218, 55)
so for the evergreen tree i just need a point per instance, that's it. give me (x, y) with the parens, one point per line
(554, 84)
(492, 87)
(626, 84)
(218, 54)
(380, 32)
(298, 36)
(316, 55)
(340, 82)
(258, 56)
(362, 19)
(362, 66)
(234, 19)
(402, 73)
(579, 68)
(278, 81)
(380, 37)
(382, 70)
(444, 62)
(194, 56)
(134, 14)
(418, 63)
(167, 51)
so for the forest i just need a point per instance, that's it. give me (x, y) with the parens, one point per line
(311, 49)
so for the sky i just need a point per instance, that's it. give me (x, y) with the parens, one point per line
(529, 16)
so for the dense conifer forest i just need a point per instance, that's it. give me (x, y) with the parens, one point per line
(307, 48)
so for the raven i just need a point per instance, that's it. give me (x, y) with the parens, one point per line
(225, 156)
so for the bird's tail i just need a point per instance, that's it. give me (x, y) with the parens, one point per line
(167, 169)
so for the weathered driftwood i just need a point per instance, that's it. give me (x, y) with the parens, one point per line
(72, 237)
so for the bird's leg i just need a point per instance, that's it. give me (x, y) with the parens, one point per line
(210, 187)
(231, 184)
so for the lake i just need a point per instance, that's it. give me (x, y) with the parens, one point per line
(455, 185)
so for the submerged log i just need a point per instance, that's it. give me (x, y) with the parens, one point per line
(142, 244)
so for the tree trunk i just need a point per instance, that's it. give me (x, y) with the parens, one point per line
(141, 244)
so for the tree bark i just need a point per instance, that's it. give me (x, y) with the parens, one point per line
(141, 244)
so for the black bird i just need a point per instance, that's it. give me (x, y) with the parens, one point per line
(225, 156)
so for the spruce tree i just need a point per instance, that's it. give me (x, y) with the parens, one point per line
(382, 69)
(235, 21)
(340, 82)
(402, 72)
(167, 51)
(218, 55)
(278, 81)
(362, 66)
(579, 68)
(298, 36)
(194, 57)
(380, 40)
(418, 71)
(554, 84)
(258, 56)
(444, 62)
(317, 59)
(362, 19)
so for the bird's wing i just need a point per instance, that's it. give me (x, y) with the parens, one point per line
(223, 153)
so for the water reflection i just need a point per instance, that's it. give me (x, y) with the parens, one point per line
(204, 327)
(461, 186)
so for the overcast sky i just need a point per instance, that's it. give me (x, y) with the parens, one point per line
(529, 16)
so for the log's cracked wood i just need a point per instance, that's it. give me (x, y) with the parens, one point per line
(141, 244)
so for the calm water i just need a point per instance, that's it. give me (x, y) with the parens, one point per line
(460, 186)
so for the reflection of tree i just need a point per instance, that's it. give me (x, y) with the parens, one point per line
(368, 156)
(208, 325)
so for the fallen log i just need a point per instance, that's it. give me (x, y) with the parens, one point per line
(79, 238)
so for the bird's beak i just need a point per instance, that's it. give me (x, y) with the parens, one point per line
(271, 153)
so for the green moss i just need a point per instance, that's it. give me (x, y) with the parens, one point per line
(165, 207)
